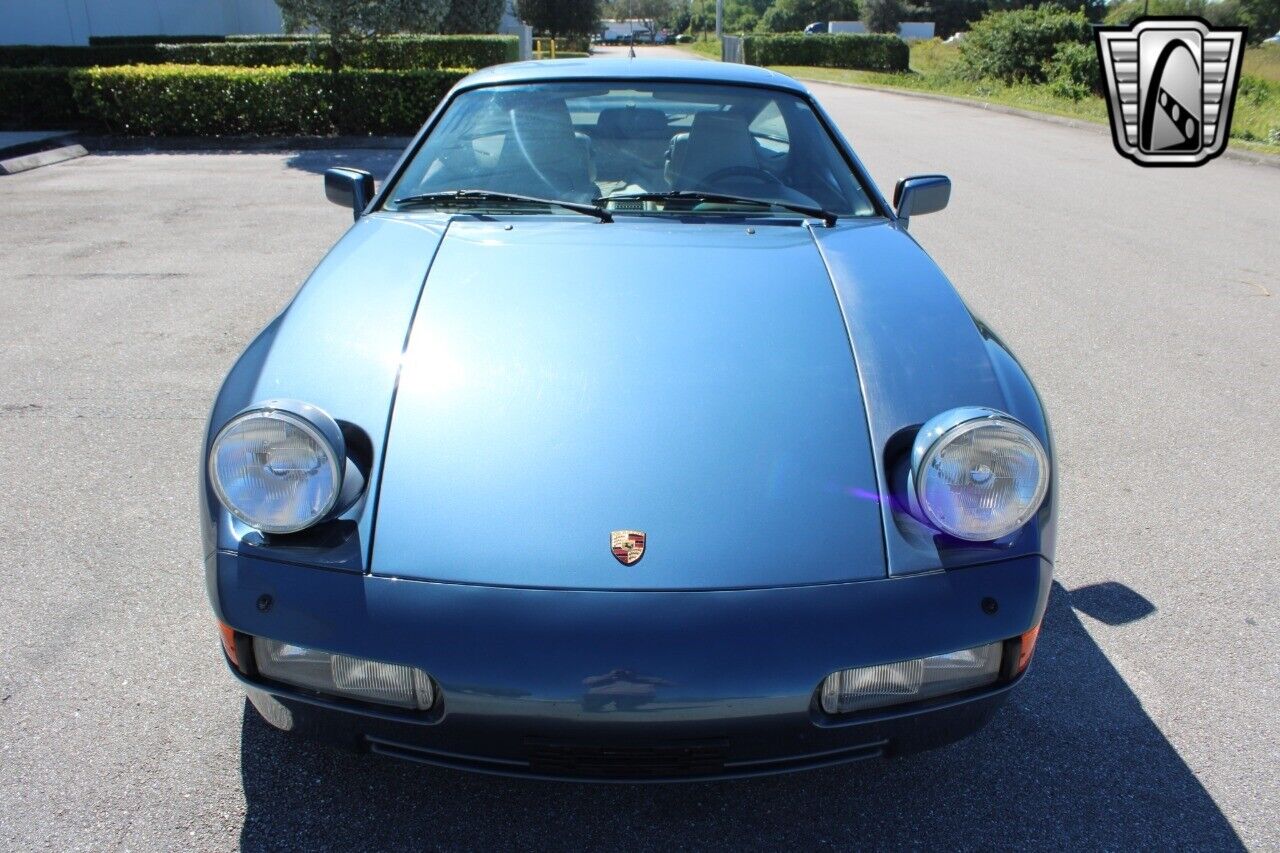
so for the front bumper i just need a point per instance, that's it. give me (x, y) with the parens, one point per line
(627, 685)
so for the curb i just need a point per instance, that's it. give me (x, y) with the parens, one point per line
(1257, 158)
(36, 159)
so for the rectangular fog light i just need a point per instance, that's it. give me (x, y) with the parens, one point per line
(910, 680)
(343, 675)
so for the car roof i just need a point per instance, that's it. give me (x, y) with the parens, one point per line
(629, 69)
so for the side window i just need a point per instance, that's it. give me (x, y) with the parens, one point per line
(770, 130)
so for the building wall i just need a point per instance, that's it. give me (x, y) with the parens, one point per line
(73, 21)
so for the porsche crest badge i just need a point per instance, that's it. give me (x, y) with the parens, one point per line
(628, 546)
(1171, 85)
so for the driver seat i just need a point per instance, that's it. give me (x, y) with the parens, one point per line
(715, 141)
(543, 156)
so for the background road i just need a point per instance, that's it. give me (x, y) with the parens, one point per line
(1145, 302)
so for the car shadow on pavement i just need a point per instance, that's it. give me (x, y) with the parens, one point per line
(1071, 761)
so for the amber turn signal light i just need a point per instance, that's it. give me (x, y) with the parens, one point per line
(228, 637)
(1027, 647)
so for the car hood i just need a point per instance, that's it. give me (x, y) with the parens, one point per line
(565, 379)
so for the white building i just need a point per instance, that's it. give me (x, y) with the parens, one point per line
(73, 21)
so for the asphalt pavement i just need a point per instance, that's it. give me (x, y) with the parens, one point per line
(1146, 304)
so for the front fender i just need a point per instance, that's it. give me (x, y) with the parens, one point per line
(338, 346)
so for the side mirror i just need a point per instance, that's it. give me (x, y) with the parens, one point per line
(351, 188)
(920, 194)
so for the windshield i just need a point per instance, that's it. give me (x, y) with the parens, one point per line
(626, 145)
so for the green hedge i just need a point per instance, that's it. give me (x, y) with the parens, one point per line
(244, 53)
(177, 100)
(38, 99)
(393, 52)
(573, 44)
(75, 56)
(865, 52)
(101, 41)
(266, 37)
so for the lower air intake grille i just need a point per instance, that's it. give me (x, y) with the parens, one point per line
(701, 758)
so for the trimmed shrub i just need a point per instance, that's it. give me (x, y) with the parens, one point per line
(245, 53)
(102, 41)
(389, 52)
(386, 102)
(1017, 46)
(408, 51)
(206, 100)
(75, 56)
(38, 99)
(159, 100)
(261, 37)
(573, 44)
(844, 50)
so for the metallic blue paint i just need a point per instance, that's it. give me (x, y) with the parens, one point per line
(514, 664)
(748, 399)
(681, 70)
(919, 353)
(337, 345)
(713, 404)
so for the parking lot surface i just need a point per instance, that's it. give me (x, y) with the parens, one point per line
(1146, 303)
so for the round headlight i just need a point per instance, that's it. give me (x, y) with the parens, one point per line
(276, 469)
(978, 474)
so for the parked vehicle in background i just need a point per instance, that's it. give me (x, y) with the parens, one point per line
(816, 28)
(624, 32)
(1275, 39)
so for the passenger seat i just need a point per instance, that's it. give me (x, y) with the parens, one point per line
(715, 141)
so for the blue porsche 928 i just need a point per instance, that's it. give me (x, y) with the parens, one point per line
(628, 435)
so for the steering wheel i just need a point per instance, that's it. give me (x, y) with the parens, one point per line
(754, 173)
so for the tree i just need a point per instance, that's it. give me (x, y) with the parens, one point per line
(1262, 17)
(560, 17)
(882, 16)
(787, 16)
(949, 16)
(1094, 10)
(473, 16)
(1127, 12)
(652, 13)
(347, 22)
(1019, 45)
(1223, 14)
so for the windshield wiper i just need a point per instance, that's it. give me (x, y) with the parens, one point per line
(719, 198)
(459, 197)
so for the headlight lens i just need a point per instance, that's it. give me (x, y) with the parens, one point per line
(982, 477)
(275, 470)
(910, 680)
(343, 675)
